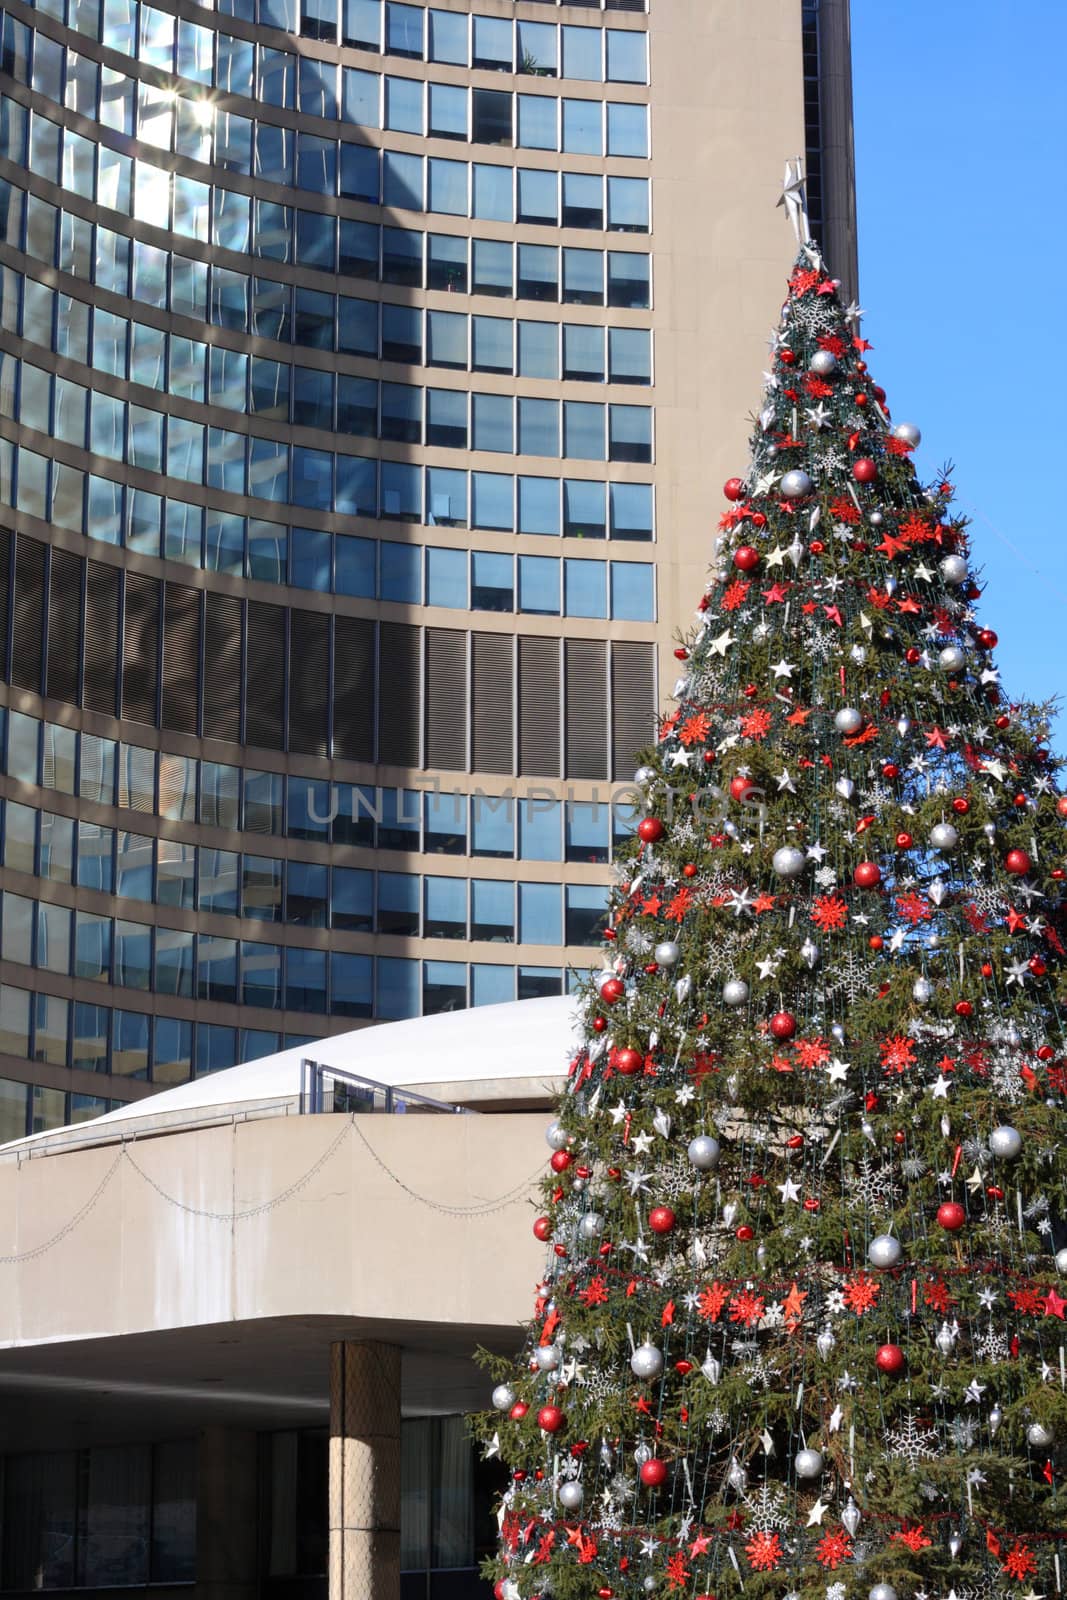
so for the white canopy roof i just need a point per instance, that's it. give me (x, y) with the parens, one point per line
(514, 1052)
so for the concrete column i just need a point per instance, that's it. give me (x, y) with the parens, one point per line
(226, 1521)
(364, 1471)
(839, 239)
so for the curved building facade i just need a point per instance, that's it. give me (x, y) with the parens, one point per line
(363, 366)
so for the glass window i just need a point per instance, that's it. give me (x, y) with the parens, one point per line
(129, 1054)
(172, 1057)
(492, 270)
(448, 37)
(357, 330)
(537, 982)
(90, 1040)
(360, 96)
(446, 339)
(401, 180)
(538, 350)
(448, 187)
(628, 205)
(448, 116)
(396, 988)
(218, 881)
(444, 986)
(629, 433)
(446, 497)
(587, 906)
(538, 196)
(629, 355)
(493, 48)
(403, 30)
(133, 955)
(491, 116)
(491, 344)
(539, 830)
(538, 128)
(583, 200)
(446, 263)
(493, 910)
(359, 181)
(538, 427)
(355, 562)
(59, 766)
(537, 49)
(401, 417)
(357, 406)
(14, 1034)
(492, 582)
(583, 352)
(398, 903)
(627, 53)
(216, 969)
(361, 24)
(538, 272)
(216, 1048)
(51, 1029)
(352, 900)
(351, 985)
(16, 929)
(20, 838)
(492, 501)
(401, 572)
(403, 104)
(585, 588)
(539, 585)
(401, 492)
(583, 430)
(588, 829)
(309, 803)
(446, 577)
(492, 422)
(174, 962)
(491, 985)
(445, 831)
(261, 888)
(583, 509)
(398, 828)
(583, 127)
(402, 331)
(627, 130)
(492, 199)
(446, 418)
(305, 980)
(582, 54)
(539, 505)
(540, 914)
(631, 511)
(632, 594)
(583, 277)
(492, 826)
(444, 908)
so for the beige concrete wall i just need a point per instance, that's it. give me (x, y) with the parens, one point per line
(142, 1237)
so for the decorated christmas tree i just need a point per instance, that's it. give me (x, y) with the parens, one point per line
(802, 1327)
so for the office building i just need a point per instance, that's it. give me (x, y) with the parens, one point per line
(368, 370)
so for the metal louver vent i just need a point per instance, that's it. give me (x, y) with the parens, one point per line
(64, 626)
(587, 708)
(539, 707)
(633, 704)
(140, 649)
(492, 702)
(398, 694)
(28, 617)
(222, 660)
(309, 683)
(181, 658)
(353, 688)
(100, 674)
(265, 676)
(446, 699)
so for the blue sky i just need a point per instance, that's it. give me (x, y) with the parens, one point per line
(963, 238)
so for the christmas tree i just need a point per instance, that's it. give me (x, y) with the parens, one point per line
(802, 1328)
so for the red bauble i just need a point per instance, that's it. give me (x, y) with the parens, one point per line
(650, 829)
(745, 1233)
(1045, 1052)
(653, 1473)
(1037, 966)
(890, 771)
(612, 989)
(746, 557)
(740, 787)
(879, 393)
(1017, 862)
(734, 489)
(599, 1024)
(661, 1219)
(899, 1136)
(904, 841)
(628, 1060)
(867, 875)
(816, 547)
(876, 941)
(498, 1589)
(961, 805)
(783, 1025)
(543, 1228)
(911, 655)
(550, 1418)
(1061, 805)
(518, 1411)
(689, 870)
(681, 654)
(786, 357)
(795, 1142)
(987, 639)
(951, 1216)
(1002, 722)
(987, 970)
(864, 470)
(560, 1160)
(890, 1359)
(963, 1008)
(1020, 801)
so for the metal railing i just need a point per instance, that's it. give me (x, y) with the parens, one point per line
(325, 1088)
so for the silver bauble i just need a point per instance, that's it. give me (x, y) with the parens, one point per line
(711, 1367)
(646, 1361)
(825, 1341)
(851, 1517)
(737, 1477)
(788, 861)
(591, 1225)
(808, 1463)
(875, 518)
(556, 1137)
(509, 1590)
(809, 954)
(822, 363)
(954, 569)
(571, 1494)
(762, 1256)
(795, 484)
(649, 1584)
(922, 990)
(955, 1544)
(735, 993)
(642, 1454)
(578, 1186)
(909, 433)
(945, 1339)
(703, 1152)
(547, 1357)
(503, 1397)
(645, 775)
(884, 1251)
(668, 954)
(943, 836)
(903, 726)
(996, 1417)
(845, 788)
(952, 658)
(1039, 1436)
(1006, 1142)
(989, 829)
(848, 720)
(1061, 1261)
(882, 1591)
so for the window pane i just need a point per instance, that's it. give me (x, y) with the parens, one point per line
(583, 277)
(629, 355)
(537, 122)
(351, 985)
(396, 988)
(538, 272)
(627, 130)
(446, 418)
(538, 427)
(448, 187)
(352, 899)
(446, 339)
(446, 577)
(448, 110)
(538, 48)
(583, 127)
(583, 509)
(493, 44)
(538, 350)
(583, 200)
(627, 56)
(403, 30)
(403, 105)
(448, 37)
(492, 197)
(446, 263)
(587, 905)
(492, 582)
(491, 344)
(581, 54)
(446, 497)
(631, 511)
(540, 914)
(539, 585)
(632, 595)
(539, 830)
(627, 205)
(537, 982)
(446, 824)
(492, 422)
(401, 572)
(491, 985)
(630, 433)
(493, 273)
(491, 116)
(583, 430)
(444, 908)
(539, 505)
(588, 827)
(583, 352)
(585, 588)
(492, 501)
(444, 988)
(492, 826)
(538, 196)
(402, 180)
